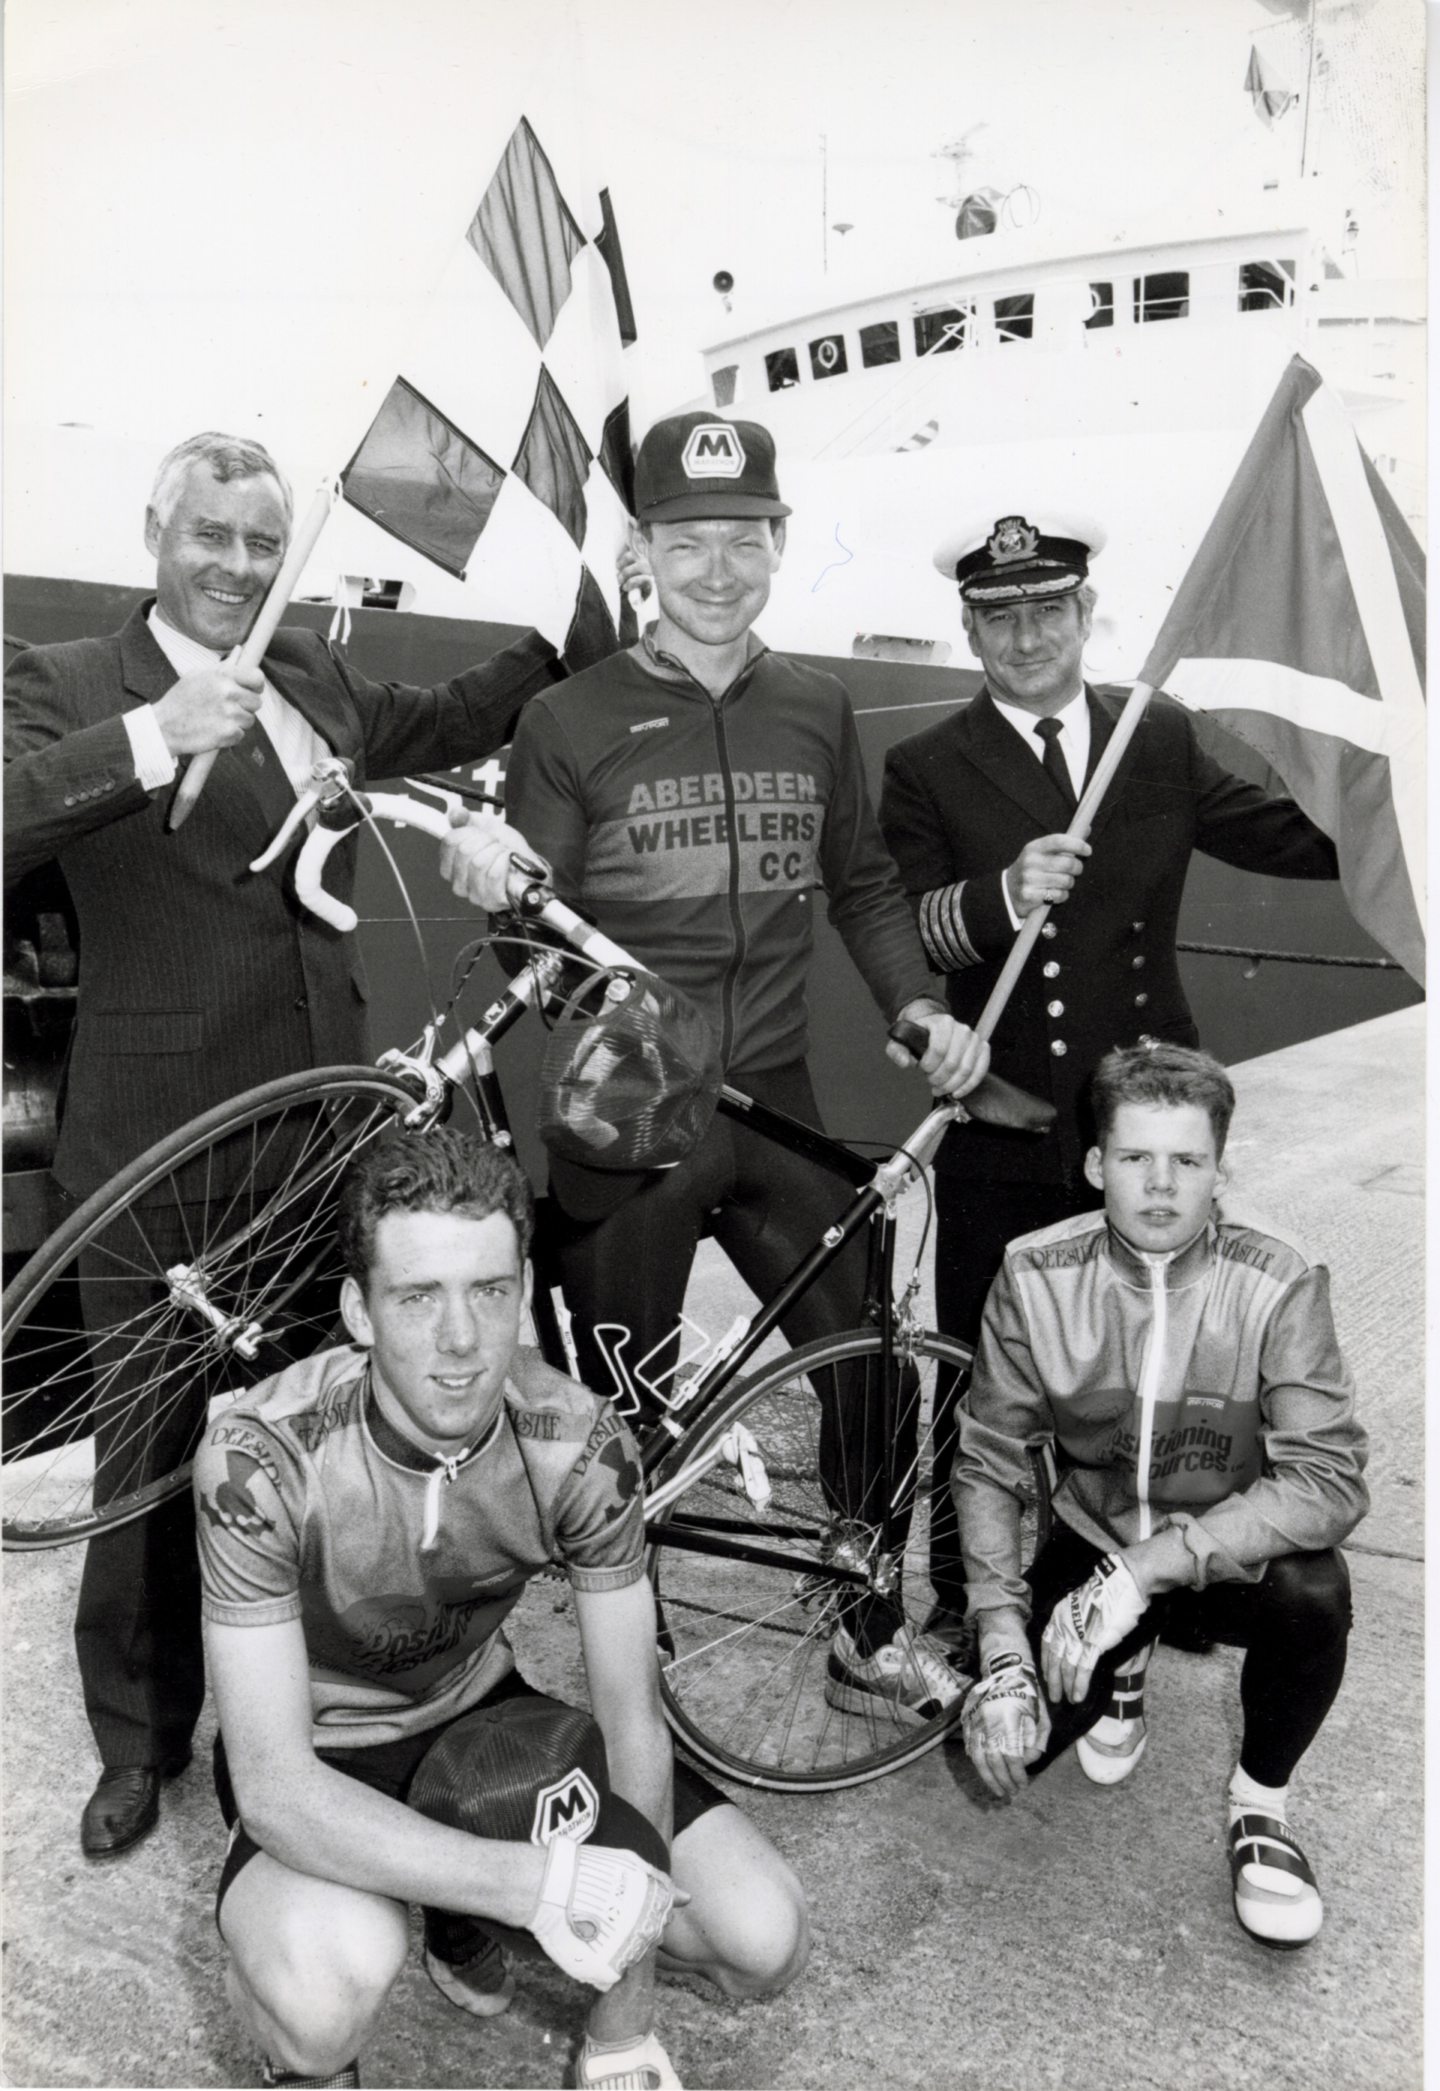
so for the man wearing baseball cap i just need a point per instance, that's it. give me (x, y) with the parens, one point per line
(694, 794)
(975, 811)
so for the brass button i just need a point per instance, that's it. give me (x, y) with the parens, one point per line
(1055, 1009)
(1141, 1000)
(1146, 1038)
(1137, 927)
(1048, 930)
(1059, 1048)
(1051, 968)
(1138, 961)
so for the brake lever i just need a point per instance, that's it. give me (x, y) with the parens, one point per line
(328, 780)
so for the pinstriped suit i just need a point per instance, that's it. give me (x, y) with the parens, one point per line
(197, 979)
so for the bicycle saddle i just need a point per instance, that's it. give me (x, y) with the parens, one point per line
(998, 1102)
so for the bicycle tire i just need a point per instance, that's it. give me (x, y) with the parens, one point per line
(745, 1643)
(245, 1192)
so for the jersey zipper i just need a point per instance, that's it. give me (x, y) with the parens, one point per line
(444, 1472)
(740, 943)
(731, 974)
(1150, 1371)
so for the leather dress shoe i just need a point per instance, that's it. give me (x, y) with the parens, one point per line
(125, 1807)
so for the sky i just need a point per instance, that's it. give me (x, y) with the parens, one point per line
(227, 214)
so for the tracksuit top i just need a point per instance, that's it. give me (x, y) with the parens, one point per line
(695, 830)
(1202, 1389)
(402, 1566)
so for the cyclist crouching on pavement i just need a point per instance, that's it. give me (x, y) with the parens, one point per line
(1186, 1372)
(367, 1520)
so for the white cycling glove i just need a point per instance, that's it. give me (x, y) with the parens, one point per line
(1005, 1723)
(1089, 1620)
(599, 1910)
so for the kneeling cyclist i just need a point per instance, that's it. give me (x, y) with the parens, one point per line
(367, 1520)
(1186, 1372)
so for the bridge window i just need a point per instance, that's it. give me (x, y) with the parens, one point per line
(1266, 286)
(880, 343)
(1015, 317)
(782, 369)
(1102, 305)
(936, 333)
(1165, 295)
(827, 356)
(725, 383)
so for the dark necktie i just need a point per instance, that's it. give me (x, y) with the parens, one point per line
(1054, 763)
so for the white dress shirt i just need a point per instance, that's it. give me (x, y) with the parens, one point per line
(293, 738)
(1073, 741)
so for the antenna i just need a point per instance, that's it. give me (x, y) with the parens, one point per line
(1309, 82)
(824, 204)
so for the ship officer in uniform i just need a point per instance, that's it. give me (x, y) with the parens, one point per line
(975, 811)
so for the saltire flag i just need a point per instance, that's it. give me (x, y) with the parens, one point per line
(505, 440)
(1268, 98)
(1300, 629)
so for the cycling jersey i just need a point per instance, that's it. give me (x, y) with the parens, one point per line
(1203, 1389)
(696, 828)
(403, 1566)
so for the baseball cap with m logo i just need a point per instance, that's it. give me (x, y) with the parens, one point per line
(699, 464)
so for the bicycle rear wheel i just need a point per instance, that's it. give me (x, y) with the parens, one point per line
(200, 1269)
(751, 1592)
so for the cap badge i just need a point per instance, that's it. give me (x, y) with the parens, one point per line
(1012, 539)
(713, 451)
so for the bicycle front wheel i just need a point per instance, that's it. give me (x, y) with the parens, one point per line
(761, 1550)
(200, 1269)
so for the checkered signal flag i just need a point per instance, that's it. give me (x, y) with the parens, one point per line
(503, 449)
(521, 359)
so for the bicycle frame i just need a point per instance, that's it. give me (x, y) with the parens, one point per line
(471, 1057)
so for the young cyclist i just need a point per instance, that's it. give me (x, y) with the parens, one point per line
(1184, 1368)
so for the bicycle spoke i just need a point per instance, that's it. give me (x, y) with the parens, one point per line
(755, 1593)
(111, 1361)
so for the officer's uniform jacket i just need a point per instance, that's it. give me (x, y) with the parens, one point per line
(959, 803)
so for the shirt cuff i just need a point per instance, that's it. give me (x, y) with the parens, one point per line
(154, 764)
(1009, 905)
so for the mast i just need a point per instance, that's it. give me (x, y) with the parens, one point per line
(1309, 83)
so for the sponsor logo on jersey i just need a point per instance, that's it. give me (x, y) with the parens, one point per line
(569, 1807)
(650, 725)
(714, 451)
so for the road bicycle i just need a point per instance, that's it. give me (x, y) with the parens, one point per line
(210, 1263)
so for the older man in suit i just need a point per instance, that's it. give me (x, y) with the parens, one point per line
(975, 812)
(198, 977)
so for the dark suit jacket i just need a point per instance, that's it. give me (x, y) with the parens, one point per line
(197, 977)
(959, 803)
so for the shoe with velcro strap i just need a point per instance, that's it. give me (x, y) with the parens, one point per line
(1110, 1751)
(1277, 1899)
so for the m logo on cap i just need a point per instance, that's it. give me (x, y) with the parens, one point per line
(713, 451)
(568, 1808)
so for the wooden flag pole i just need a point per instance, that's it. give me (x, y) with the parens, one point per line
(252, 652)
(1029, 931)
